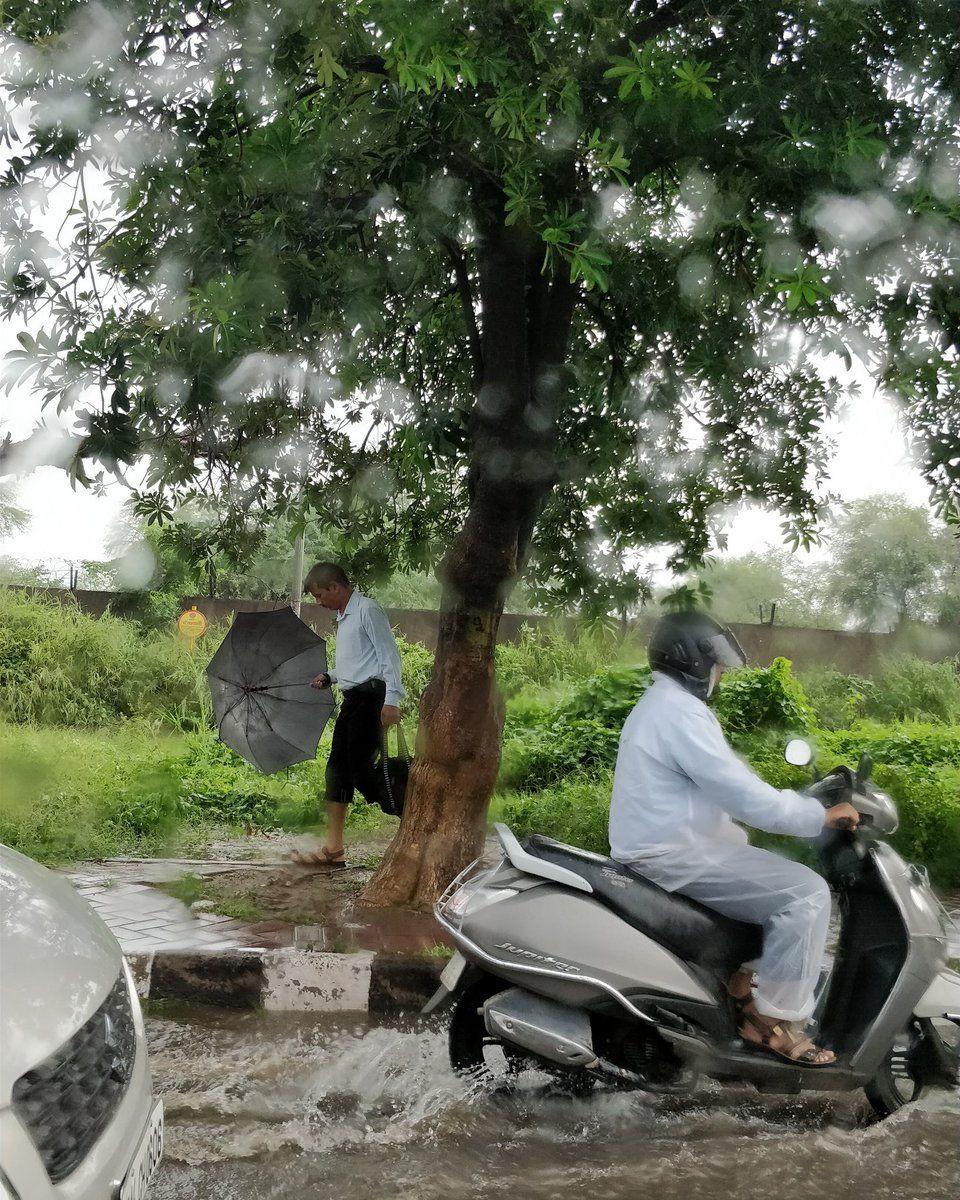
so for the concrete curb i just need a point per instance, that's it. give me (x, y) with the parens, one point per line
(289, 980)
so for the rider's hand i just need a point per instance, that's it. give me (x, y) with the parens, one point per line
(842, 816)
(321, 681)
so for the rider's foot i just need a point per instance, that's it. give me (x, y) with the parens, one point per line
(786, 1039)
(740, 986)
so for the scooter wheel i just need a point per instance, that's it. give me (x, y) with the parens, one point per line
(899, 1080)
(486, 1060)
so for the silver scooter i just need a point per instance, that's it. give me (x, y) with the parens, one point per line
(570, 964)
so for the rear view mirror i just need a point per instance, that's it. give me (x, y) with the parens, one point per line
(798, 752)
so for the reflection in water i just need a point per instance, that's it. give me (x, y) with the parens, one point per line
(287, 1109)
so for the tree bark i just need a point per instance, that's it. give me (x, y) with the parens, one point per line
(512, 468)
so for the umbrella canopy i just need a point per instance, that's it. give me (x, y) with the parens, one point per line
(259, 678)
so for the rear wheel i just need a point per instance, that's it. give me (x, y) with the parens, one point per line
(495, 1065)
(899, 1080)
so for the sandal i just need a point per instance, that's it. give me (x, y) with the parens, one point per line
(323, 857)
(799, 1049)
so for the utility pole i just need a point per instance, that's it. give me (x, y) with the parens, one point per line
(296, 583)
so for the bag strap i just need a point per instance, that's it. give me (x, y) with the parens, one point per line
(402, 750)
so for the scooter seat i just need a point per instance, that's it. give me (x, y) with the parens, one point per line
(689, 930)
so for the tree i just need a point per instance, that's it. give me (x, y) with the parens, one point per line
(889, 562)
(745, 588)
(506, 287)
(14, 518)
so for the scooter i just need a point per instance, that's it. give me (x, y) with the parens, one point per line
(569, 963)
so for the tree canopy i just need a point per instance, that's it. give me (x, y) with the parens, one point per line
(890, 563)
(286, 308)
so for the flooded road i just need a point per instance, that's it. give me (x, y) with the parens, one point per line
(284, 1108)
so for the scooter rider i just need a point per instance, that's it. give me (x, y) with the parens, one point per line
(678, 787)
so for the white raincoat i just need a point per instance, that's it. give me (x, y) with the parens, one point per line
(678, 788)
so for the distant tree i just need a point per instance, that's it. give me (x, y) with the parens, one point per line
(746, 588)
(888, 562)
(14, 518)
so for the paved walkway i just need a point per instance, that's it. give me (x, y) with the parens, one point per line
(142, 918)
(145, 919)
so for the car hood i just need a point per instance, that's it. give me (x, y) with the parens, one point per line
(59, 961)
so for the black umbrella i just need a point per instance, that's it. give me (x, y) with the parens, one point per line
(263, 703)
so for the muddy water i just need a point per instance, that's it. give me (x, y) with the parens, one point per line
(286, 1109)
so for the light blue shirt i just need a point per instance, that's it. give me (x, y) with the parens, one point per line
(679, 787)
(366, 648)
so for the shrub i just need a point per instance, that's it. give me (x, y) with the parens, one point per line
(59, 666)
(552, 656)
(837, 700)
(75, 794)
(608, 695)
(910, 688)
(763, 698)
(547, 743)
(574, 811)
(417, 664)
(907, 744)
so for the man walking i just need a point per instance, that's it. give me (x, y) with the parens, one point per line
(368, 674)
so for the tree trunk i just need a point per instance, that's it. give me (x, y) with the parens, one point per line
(512, 468)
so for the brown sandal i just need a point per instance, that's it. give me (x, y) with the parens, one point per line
(319, 858)
(800, 1049)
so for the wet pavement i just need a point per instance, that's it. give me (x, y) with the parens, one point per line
(144, 919)
(271, 1108)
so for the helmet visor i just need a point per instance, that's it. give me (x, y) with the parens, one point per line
(723, 648)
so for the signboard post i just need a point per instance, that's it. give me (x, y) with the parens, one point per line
(191, 625)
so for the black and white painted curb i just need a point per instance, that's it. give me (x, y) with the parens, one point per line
(290, 980)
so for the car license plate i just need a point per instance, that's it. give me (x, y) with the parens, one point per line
(452, 971)
(142, 1169)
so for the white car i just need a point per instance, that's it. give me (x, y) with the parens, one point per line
(78, 1120)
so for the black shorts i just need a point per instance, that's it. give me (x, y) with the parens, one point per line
(354, 762)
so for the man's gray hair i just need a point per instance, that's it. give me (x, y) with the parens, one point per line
(323, 574)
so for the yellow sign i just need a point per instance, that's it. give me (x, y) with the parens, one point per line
(192, 624)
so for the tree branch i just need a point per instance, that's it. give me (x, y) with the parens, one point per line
(466, 300)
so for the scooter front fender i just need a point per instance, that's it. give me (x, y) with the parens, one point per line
(942, 997)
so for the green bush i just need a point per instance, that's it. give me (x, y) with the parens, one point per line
(59, 666)
(557, 656)
(607, 696)
(905, 689)
(544, 744)
(837, 700)
(70, 794)
(909, 743)
(912, 689)
(928, 802)
(574, 810)
(763, 698)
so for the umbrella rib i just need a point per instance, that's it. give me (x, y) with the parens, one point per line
(239, 700)
(297, 653)
(271, 727)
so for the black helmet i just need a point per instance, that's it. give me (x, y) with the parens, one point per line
(687, 645)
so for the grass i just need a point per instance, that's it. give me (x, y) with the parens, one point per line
(71, 794)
